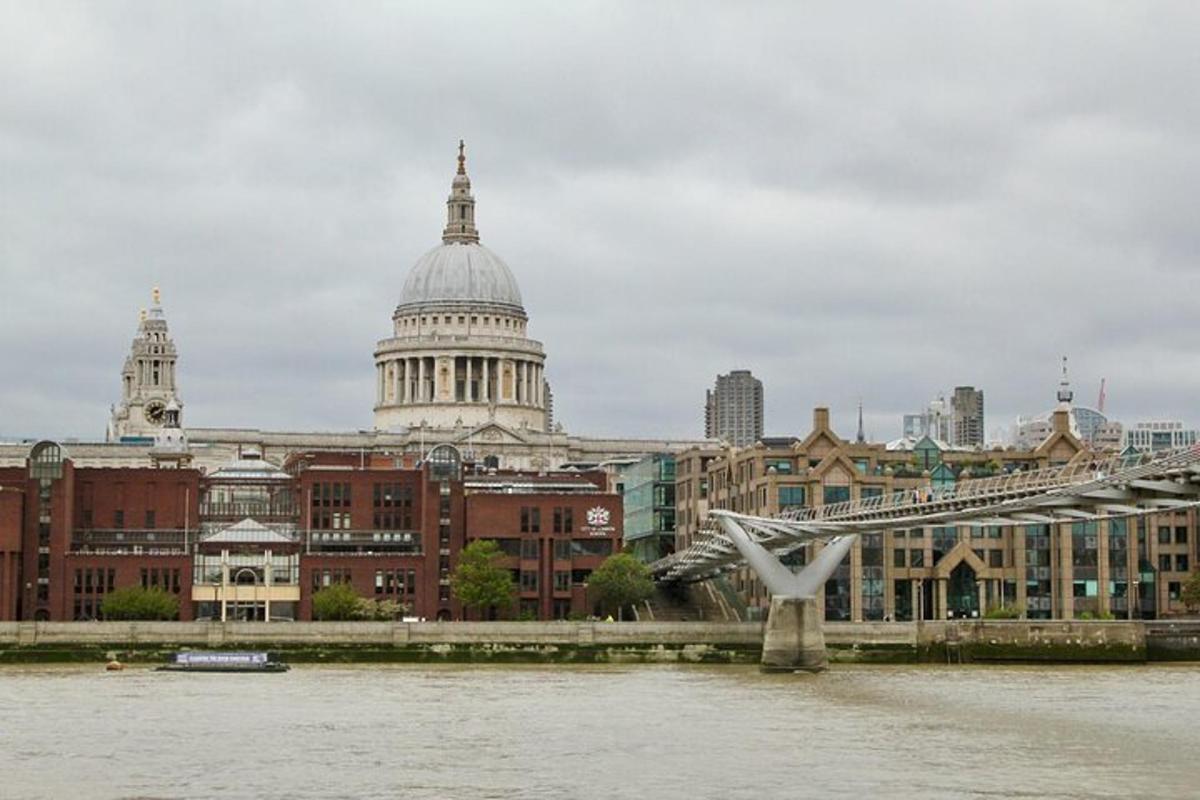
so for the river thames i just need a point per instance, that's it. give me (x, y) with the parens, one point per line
(602, 732)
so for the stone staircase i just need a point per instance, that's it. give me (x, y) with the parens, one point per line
(696, 602)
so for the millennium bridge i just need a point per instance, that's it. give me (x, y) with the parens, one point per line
(1089, 487)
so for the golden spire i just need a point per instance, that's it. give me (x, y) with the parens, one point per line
(157, 295)
(462, 158)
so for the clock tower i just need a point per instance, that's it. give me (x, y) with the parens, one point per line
(149, 395)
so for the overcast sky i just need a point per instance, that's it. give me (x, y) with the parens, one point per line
(874, 201)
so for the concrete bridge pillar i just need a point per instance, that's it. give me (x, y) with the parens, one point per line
(793, 639)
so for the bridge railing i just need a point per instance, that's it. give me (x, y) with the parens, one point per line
(991, 487)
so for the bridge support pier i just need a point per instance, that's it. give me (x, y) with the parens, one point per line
(792, 639)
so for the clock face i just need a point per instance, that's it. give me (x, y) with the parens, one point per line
(155, 412)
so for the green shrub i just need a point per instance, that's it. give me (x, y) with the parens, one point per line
(381, 610)
(1004, 612)
(340, 603)
(1191, 592)
(336, 603)
(137, 603)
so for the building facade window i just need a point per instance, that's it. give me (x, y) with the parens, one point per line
(836, 494)
(1038, 582)
(531, 519)
(871, 554)
(791, 497)
(529, 580)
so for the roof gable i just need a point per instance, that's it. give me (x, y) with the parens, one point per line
(248, 531)
(959, 553)
(835, 468)
(491, 433)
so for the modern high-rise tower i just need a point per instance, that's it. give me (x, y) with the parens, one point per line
(967, 411)
(733, 409)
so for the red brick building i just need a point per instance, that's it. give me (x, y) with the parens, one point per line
(553, 530)
(255, 541)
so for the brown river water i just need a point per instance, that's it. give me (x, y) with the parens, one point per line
(601, 732)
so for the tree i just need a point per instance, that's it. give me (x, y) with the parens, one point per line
(380, 610)
(479, 581)
(1191, 592)
(336, 603)
(340, 603)
(135, 602)
(621, 581)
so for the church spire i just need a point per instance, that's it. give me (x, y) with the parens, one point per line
(1065, 395)
(861, 438)
(460, 206)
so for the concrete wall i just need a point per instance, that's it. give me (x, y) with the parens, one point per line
(1173, 640)
(382, 633)
(718, 642)
(1028, 640)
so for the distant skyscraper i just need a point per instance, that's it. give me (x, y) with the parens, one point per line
(967, 410)
(733, 410)
(933, 422)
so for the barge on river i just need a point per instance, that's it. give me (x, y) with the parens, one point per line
(217, 661)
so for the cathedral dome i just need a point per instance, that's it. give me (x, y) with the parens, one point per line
(458, 273)
(460, 357)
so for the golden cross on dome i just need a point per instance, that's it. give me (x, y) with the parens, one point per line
(462, 158)
(157, 295)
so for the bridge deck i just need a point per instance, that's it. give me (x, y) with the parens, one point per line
(1084, 489)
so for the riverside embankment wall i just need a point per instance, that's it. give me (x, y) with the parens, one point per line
(589, 642)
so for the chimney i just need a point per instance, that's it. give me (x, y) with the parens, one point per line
(820, 418)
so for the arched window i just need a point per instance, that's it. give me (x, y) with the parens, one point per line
(46, 461)
(445, 462)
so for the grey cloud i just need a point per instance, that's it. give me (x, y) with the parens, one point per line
(876, 202)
